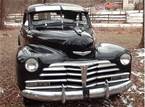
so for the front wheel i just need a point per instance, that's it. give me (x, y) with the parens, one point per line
(31, 103)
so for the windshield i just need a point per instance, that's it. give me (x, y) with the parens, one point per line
(58, 19)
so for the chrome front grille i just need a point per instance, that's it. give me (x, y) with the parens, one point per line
(70, 75)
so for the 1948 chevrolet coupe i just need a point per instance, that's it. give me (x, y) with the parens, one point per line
(58, 58)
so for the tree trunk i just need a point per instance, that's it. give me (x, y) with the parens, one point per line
(44, 1)
(2, 14)
(141, 44)
(41, 1)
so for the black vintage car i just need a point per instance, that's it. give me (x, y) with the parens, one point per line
(58, 58)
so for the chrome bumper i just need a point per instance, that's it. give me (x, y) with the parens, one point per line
(74, 95)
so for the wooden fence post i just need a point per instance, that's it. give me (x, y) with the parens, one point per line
(2, 14)
(125, 17)
(108, 18)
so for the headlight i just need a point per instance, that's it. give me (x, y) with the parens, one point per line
(125, 59)
(31, 65)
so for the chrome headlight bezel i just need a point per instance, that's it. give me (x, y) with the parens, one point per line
(31, 65)
(125, 59)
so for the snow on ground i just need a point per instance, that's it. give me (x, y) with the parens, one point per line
(141, 54)
(1, 91)
(127, 101)
(139, 75)
(135, 89)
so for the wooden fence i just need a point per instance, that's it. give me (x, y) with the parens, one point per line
(134, 16)
(109, 18)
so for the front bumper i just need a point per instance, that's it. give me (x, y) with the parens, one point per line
(74, 95)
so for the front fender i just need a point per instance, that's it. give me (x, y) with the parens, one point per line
(109, 51)
(44, 54)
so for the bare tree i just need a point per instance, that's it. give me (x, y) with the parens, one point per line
(141, 44)
(2, 14)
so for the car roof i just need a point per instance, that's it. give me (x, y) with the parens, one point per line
(55, 7)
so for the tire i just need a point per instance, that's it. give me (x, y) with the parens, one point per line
(31, 103)
(115, 96)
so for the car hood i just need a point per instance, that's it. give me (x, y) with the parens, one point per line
(75, 40)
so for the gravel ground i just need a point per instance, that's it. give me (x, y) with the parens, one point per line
(129, 38)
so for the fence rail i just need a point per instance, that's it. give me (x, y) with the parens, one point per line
(98, 18)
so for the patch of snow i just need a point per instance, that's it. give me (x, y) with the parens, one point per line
(127, 101)
(137, 74)
(134, 89)
(142, 61)
(141, 52)
(1, 91)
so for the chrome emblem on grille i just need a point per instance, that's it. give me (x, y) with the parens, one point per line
(81, 53)
(84, 75)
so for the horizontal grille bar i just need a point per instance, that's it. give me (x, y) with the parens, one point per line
(76, 74)
(70, 86)
(59, 74)
(105, 65)
(112, 81)
(54, 80)
(101, 66)
(62, 68)
(107, 76)
(103, 71)
(78, 64)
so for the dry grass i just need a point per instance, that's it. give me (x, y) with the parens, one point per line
(128, 38)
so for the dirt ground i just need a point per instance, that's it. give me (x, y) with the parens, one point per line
(129, 38)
